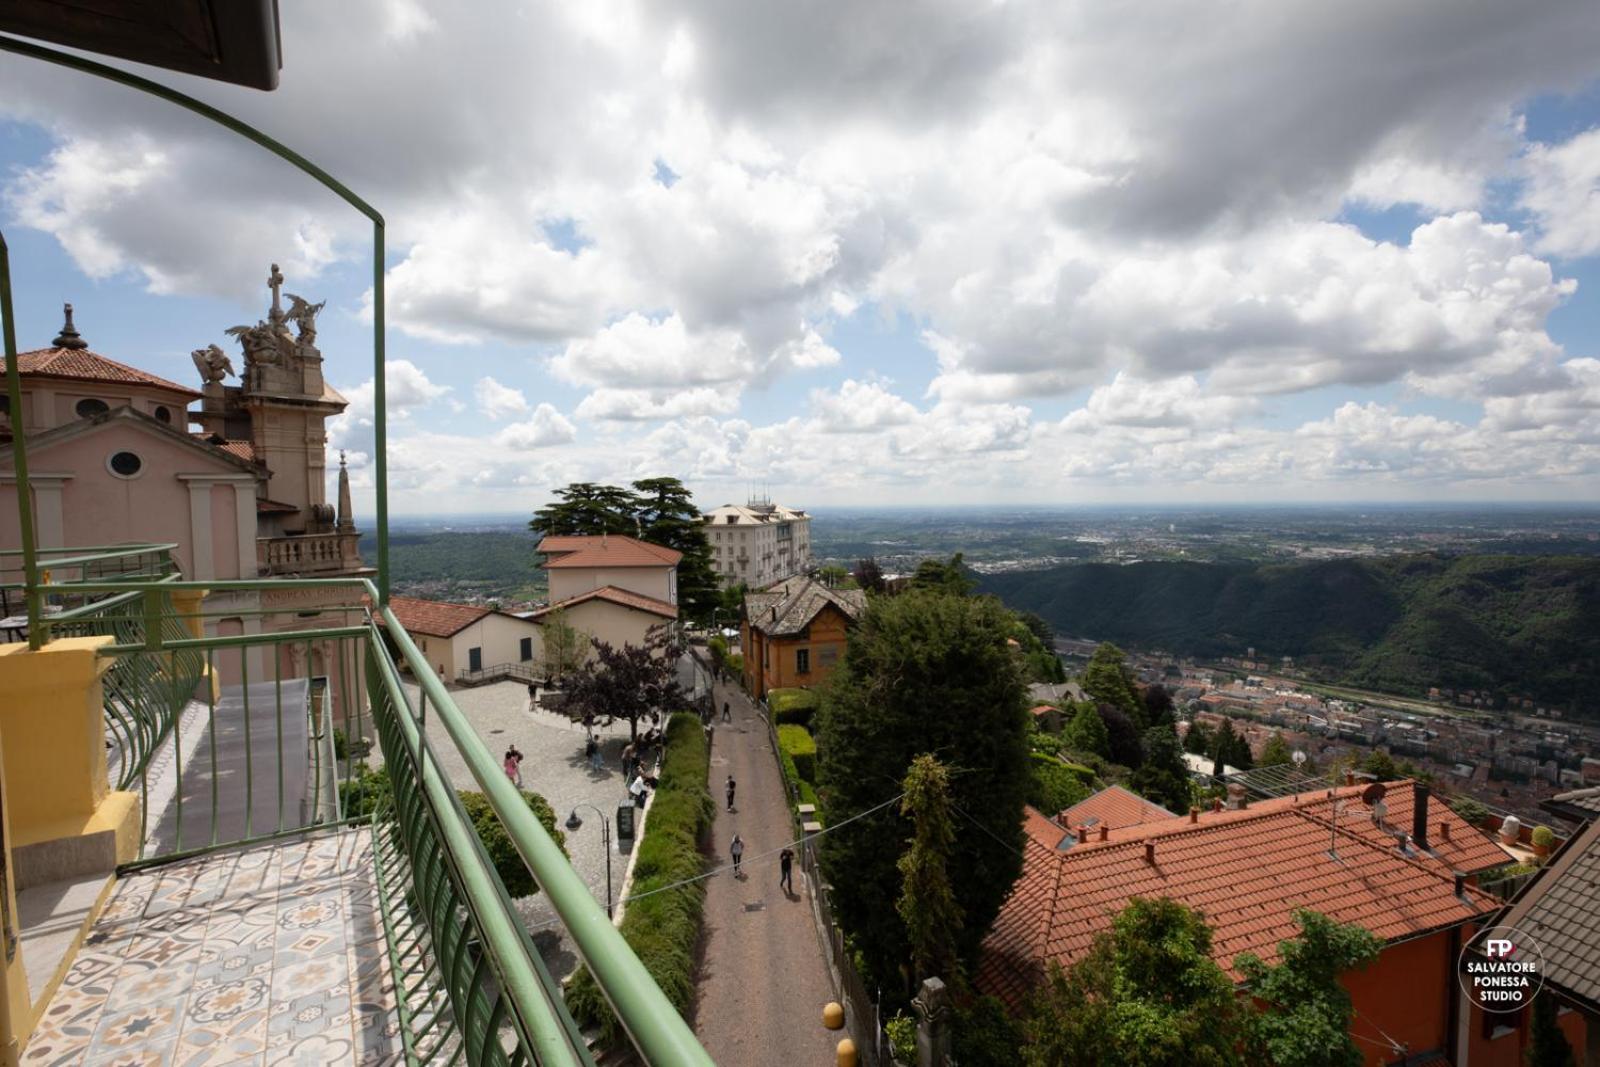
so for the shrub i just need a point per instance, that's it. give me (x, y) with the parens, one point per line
(984, 1035)
(1471, 810)
(502, 853)
(902, 1031)
(1085, 773)
(1543, 836)
(798, 786)
(792, 706)
(1053, 788)
(796, 742)
(1500, 874)
(663, 929)
(359, 796)
(341, 748)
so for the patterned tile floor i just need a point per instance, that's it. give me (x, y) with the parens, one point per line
(270, 955)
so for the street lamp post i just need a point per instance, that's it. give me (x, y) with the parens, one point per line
(574, 823)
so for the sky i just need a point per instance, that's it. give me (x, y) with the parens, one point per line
(862, 252)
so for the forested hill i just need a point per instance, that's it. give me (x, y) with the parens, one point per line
(1515, 625)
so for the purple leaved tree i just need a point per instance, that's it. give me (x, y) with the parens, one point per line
(629, 682)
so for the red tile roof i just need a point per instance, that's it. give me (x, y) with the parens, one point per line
(605, 551)
(1246, 871)
(435, 617)
(627, 599)
(245, 450)
(84, 365)
(1042, 709)
(1041, 828)
(1114, 807)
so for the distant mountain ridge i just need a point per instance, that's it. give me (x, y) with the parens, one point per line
(1517, 626)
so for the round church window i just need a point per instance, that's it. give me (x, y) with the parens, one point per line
(125, 464)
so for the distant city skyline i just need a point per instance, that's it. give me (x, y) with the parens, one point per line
(1028, 254)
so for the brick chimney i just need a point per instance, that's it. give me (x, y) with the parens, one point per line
(1236, 797)
(1194, 813)
(1083, 835)
(1150, 852)
(1216, 803)
(1349, 777)
(1419, 815)
(1444, 830)
(1105, 832)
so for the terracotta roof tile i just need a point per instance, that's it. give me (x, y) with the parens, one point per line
(245, 450)
(84, 365)
(605, 551)
(1041, 828)
(624, 597)
(435, 617)
(1114, 807)
(1246, 872)
(275, 507)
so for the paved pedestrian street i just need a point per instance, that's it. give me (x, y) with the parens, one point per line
(764, 979)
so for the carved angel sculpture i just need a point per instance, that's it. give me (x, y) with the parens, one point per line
(303, 314)
(212, 363)
(260, 342)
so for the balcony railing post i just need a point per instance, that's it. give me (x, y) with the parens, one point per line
(19, 454)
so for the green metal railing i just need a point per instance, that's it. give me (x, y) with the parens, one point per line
(214, 776)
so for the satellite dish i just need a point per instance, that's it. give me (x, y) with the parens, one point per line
(1379, 810)
(1299, 758)
(1372, 794)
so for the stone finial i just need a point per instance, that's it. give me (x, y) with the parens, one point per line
(68, 337)
(347, 520)
(932, 1005)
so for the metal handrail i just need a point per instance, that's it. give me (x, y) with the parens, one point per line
(649, 1018)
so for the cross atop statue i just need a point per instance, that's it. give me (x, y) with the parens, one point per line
(275, 283)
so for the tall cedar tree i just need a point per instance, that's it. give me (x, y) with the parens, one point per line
(667, 514)
(1305, 1021)
(1126, 748)
(629, 682)
(927, 905)
(1198, 739)
(922, 673)
(1107, 681)
(584, 508)
(658, 510)
(1147, 994)
(1229, 748)
(1163, 776)
(1158, 706)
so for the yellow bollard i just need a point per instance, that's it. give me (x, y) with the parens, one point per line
(846, 1053)
(833, 1015)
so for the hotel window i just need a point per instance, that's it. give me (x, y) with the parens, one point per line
(90, 407)
(802, 661)
(525, 649)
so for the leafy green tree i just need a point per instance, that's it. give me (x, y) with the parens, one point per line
(1052, 787)
(1381, 765)
(1106, 679)
(1275, 753)
(927, 905)
(1305, 1021)
(584, 508)
(1163, 776)
(497, 843)
(1147, 994)
(1549, 1046)
(869, 575)
(565, 646)
(629, 682)
(1198, 739)
(922, 673)
(985, 1035)
(1087, 732)
(665, 514)
(939, 576)
(834, 576)
(1038, 627)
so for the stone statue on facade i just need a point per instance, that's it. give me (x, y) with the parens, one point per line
(303, 313)
(212, 363)
(263, 343)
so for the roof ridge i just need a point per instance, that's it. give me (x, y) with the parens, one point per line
(145, 376)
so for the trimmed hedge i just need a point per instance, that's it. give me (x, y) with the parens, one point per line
(798, 745)
(798, 785)
(792, 706)
(663, 929)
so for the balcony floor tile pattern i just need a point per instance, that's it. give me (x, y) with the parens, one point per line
(274, 954)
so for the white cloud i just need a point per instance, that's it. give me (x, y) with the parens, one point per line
(644, 405)
(497, 401)
(860, 407)
(407, 389)
(545, 427)
(1562, 193)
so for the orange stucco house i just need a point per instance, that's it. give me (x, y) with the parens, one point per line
(794, 633)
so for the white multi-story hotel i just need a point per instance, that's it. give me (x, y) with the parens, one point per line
(758, 544)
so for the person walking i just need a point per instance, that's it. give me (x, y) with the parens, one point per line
(786, 869)
(513, 765)
(592, 750)
(730, 792)
(533, 697)
(736, 850)
(726, 715)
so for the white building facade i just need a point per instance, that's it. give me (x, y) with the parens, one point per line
(759, 543)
